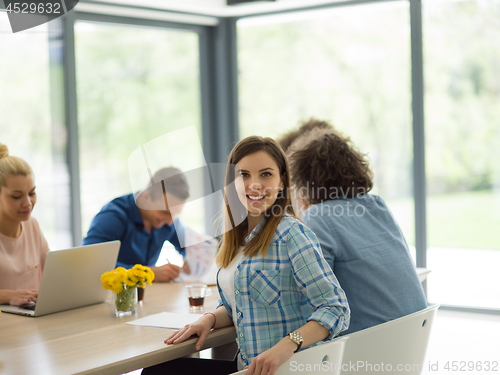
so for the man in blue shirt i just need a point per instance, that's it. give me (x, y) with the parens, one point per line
(359, 237)
(144, 221)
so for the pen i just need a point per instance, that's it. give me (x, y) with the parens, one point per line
(168, 261)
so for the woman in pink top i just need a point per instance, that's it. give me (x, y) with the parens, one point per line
(22, 245)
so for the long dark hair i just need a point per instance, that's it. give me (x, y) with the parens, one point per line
(235, 222)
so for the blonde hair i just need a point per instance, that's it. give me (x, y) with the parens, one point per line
(235, 212)
(11, 165)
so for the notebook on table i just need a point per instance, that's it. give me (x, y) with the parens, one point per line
(71, 278)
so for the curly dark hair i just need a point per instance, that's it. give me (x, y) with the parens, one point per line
(286, 140)
(325, 165)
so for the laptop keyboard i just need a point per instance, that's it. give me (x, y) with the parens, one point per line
(28, 306)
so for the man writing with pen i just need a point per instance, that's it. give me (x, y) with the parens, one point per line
(144, 221)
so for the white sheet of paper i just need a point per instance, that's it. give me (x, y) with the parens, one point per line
(166, 320)
(200, 257)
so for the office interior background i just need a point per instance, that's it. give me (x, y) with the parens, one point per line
(414, 83)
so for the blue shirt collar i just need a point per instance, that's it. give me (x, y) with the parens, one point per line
(255, 230)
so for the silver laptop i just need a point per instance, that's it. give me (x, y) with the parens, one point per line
(71, 278)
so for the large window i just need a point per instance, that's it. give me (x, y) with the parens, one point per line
(350, 66)
(28, 124)
(134, 85)
(462, 111)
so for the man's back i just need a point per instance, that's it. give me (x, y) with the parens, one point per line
(365, 248)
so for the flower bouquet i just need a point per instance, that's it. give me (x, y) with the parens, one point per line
(124, 284)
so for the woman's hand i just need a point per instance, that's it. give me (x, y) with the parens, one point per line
(21, 297)
(201, 328)
(268, 362)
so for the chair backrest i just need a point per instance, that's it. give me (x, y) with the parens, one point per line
(398, 346)
(322, 359)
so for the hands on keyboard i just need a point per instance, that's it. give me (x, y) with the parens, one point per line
(28, 306)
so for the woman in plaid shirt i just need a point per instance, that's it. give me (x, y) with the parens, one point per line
(275, 286)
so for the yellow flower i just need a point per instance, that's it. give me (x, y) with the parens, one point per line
(151, 276)
(138, 275)
(131, 280)
(133, 276)
(116, 285)
(139, 267)
(121, 274)
(105, 277)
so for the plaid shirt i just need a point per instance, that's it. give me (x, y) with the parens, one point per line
(279, 293)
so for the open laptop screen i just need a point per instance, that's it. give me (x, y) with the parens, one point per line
(72, 278)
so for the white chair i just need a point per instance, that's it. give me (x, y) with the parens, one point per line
(398, 346)
(422, 273)
(321, 359)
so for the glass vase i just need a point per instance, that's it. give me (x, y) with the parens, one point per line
(126, 301)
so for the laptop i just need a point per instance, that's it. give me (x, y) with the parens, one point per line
(71, 278)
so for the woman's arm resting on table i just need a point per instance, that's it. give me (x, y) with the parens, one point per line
(201, 327)
(268, 362)
(17, 297)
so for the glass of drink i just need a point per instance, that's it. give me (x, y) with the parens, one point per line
(140, 294)
(196, 294)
